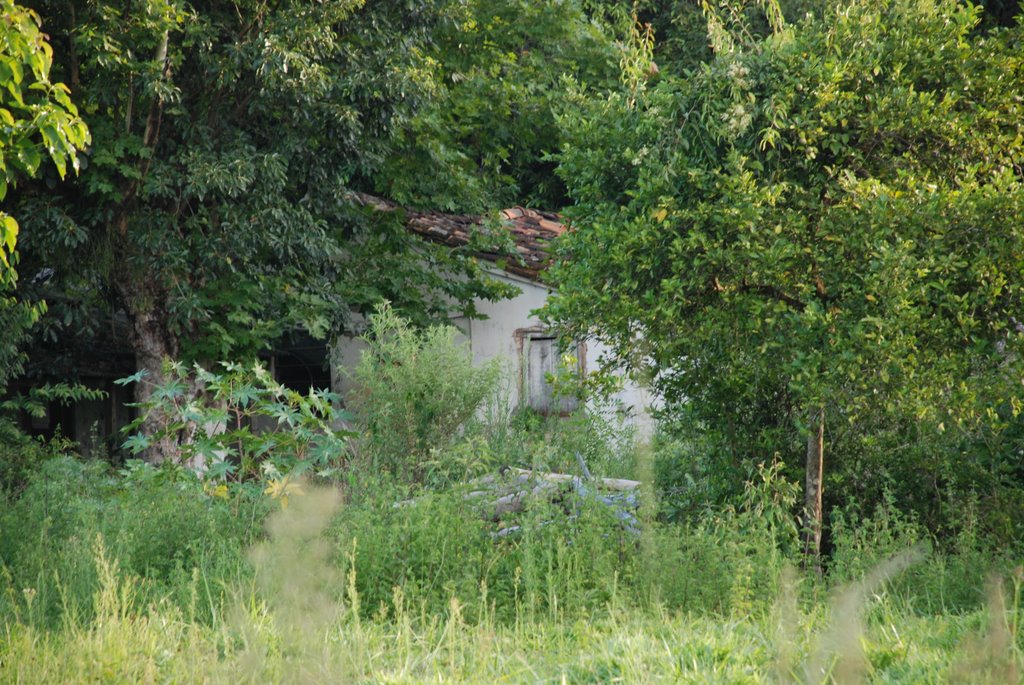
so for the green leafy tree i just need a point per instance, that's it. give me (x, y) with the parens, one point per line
(826, 221)
(37, 122)
(216, 211)
(498, 70)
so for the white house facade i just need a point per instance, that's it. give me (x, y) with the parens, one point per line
(511, 330)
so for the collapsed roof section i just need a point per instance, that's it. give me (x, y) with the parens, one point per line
(532, 232)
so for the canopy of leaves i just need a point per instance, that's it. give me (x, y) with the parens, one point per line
(37, 119)
(498, 71)
(227, 136)
(831, 214)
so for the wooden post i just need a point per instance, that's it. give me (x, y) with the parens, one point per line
(813, 515)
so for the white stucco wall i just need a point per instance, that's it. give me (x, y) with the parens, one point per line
(496, 337)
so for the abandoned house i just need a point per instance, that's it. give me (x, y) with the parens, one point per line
(510, 330)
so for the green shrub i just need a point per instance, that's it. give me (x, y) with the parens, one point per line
(862, 542)
(238, 423)
(687, 479)
(415, 390)
(953, 574)
(551, 443)
(732, 559)
(21, 455)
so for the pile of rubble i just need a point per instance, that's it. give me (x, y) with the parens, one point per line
(504, 496)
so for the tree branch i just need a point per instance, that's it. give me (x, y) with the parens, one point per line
(768, 291)
(149, 141)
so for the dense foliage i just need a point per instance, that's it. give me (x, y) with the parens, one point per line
(818, 229)
(147, 572)
(215, 211)
(37, 122)
(361, 573)
(780, 207)
(500, 70)
(413, 391)
(801, 222)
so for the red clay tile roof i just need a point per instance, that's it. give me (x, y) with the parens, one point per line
(531, 230)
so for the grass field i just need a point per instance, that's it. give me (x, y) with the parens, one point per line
(615, 646)
(295, 611)
(257, 642)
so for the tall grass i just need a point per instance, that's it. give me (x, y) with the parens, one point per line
(301, 618)
(144, 576)
(179, 544)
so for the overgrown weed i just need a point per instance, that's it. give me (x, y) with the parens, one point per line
(303, 617)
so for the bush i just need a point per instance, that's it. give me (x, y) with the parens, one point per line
(687, 479)
(551, 443)
(730, 560)
(240, 424)
(860, 543)
(21, 455)
(951, 578)
(157, 524)
(565, 557)
(415, 390)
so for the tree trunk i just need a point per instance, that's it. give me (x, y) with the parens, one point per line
(153, 345)
(813, 515)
